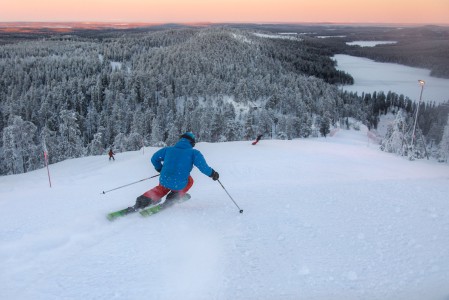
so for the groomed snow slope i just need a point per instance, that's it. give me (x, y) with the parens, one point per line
(326, 218)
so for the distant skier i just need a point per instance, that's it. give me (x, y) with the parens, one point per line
(175, 164)
(111, 154)
(257, 139)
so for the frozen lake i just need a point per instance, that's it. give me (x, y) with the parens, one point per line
(370, 76)
(370, 43)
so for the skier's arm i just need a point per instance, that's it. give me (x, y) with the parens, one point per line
(158, 158)
(201, 164)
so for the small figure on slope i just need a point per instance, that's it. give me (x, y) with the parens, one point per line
(175, 164)
(111, 154)
(257, 139)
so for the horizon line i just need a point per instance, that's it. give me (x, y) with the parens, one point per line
(118, 22)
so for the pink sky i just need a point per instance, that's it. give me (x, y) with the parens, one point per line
(341, 11)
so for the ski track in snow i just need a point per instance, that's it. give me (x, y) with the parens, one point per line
(323, 218)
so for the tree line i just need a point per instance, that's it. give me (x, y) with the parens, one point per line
(73, 96)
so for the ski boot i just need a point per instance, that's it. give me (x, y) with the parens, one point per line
(141, 203)
(172, 196)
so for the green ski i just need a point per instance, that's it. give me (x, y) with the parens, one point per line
(117, 214)
(146, 211)
(151, 210)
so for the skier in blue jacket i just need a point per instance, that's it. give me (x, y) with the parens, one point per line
(175, 164)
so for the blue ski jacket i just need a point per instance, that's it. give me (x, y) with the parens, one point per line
(175, 164)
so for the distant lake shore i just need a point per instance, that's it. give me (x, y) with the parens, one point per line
(370, 76)
(370, 43)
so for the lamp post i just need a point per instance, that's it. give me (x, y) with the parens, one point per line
(421, 83)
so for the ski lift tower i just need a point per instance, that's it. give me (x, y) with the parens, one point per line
(421, 83)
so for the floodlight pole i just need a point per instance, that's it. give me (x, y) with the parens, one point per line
(421, 83)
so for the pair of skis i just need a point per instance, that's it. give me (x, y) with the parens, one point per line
(146, 212)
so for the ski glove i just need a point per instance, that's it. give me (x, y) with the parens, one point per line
(214, 175)
(159, 170)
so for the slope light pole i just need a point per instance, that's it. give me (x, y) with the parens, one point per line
(421, 83)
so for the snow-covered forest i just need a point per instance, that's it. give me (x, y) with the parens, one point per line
(71, 96)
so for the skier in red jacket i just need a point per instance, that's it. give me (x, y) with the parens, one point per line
(257, 139)
(111, 154)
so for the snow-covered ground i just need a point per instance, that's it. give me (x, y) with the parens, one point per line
(325, 218)
(370, 76)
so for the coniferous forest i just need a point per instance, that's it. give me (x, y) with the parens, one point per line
(75, 95)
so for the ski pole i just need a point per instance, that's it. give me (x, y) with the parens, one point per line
(240, 210)
(104, 192)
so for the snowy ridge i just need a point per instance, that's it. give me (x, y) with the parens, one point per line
(278, 36)
(325, 218)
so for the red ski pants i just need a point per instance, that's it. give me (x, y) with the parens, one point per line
(160, 191)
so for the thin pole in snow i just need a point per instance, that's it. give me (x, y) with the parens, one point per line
(46, 164)
(104, 192)
(240, 210)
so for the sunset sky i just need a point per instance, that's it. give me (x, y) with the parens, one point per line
(163, 11)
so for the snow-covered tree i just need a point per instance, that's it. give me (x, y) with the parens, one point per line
(134, 142)
(157, 136)
(50, 140)
(443, 154)
(395, 138)
(70, 144)
(173, 134)
(120, 142)
(324, 125)
(19, 150)
(96, 146)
